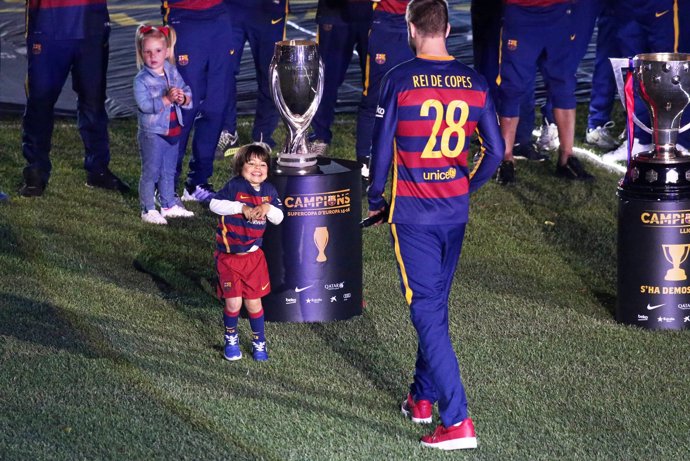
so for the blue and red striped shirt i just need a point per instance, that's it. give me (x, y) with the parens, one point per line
(67, 19)
(429, 107)
(191, 9)
(234, 233)
(392, 6)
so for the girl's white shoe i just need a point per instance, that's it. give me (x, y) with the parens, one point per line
(153, 217)
(176, 211)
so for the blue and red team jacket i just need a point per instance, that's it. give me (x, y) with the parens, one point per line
(191, 9)
(66, 19)
(429, 107)
(234, 233)
(392, 6)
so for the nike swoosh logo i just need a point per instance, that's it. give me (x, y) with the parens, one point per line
(297, 289)
(265, 286)
(651, 308)
(660, 14)
(243, 197)
(276, 21)
(572, 37)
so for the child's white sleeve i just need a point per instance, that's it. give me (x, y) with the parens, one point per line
(275, 215)
(225, 207)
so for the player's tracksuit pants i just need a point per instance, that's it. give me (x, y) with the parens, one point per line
(427, 257)
(49, 64)
(204, 61)
(262, 32)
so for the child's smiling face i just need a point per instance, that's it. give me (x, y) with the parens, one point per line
(255, 171)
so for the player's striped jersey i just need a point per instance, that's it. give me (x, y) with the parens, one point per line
(234, 233)
(392, 6)
(429, 107)
(191, 9)
(66, 19)
(390, 14)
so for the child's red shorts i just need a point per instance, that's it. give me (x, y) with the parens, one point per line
(242, 276)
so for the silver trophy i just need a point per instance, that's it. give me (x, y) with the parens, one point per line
(663, 82)
(296, 74)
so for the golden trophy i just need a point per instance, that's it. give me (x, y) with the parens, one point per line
(321, 241)
(676, 255)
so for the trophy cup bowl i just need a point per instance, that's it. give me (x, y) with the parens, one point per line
(296, 83)
(663, 81)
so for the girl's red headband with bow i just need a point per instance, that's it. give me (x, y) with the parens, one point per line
(162, 29)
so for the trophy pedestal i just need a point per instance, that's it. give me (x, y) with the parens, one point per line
(315, 255)
(653, 249)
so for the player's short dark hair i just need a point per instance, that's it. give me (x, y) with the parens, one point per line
(245, 153)
(430, 17)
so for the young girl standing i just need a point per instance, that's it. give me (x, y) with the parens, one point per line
(160, 93)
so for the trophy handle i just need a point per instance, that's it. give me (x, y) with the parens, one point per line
(619, 64)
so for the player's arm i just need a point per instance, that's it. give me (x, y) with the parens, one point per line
(382, 145)
(492, 146)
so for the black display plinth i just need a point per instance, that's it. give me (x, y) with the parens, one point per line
(654, 245)
(315, 255)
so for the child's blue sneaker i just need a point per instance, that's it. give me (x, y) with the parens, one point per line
(232, 348)
(259, 352)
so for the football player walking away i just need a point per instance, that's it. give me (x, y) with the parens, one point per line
(428, 109)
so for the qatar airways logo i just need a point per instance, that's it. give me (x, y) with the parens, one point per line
(439, 175)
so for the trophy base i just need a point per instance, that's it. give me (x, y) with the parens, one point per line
(675, 275)
(314, 256)
(652, 290)
(650, 176)
(300, 164)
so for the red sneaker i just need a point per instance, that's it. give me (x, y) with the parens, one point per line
(419, 412)
(458, 437)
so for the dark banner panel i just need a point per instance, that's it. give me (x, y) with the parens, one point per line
(653, 264)
(315, 255)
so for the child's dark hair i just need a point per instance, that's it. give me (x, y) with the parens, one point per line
(259, 150)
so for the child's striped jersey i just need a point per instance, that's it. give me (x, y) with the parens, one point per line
(234, 233)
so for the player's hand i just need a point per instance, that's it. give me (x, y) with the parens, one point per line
(373, 213)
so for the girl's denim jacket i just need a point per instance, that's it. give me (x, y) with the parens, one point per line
(149, 89)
